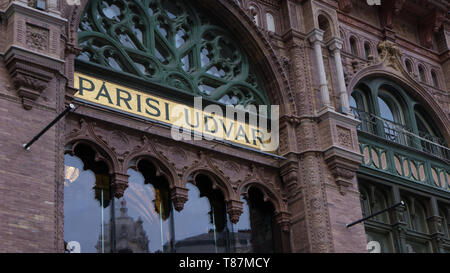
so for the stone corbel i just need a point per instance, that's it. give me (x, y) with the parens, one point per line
(179, 196)
(283, 219)
(235, 209)
(429, 25)
(119, 184)
(289, 175)
(343, 178)
(388, 10)
(29, 81)
(343, 165)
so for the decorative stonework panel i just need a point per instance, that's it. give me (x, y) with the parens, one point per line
(37, 37)
(344, 136)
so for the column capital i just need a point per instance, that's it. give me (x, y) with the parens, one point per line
(316, 35)
(335, 44)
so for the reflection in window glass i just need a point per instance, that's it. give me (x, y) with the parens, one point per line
(143, 219)
(254, 231)
(86, 207)
(353, 102)
(242, 232)
(201, 225)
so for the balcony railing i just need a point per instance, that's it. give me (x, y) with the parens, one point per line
(401, 134)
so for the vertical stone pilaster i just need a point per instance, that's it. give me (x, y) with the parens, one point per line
(335, 46)
(316, 38)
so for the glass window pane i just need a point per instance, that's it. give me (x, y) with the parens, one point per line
(379, 242)
(194, 229)
(385, 111)
(143, 217)
(86, 208)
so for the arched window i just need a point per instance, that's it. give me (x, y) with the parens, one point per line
(392, 117)
(145, 218)
(422, 77)
(270, 22)
(432, 141)
(367, 50)
(387, 109)
(360, 105)
(172, 44)
(353, 46)
(434, 78)
(324, 24)
(408, 66)
(202, 225)
(255, 230)
(88, 202)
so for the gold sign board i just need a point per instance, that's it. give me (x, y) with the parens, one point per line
(176, 115)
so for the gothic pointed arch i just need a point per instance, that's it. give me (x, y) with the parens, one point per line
(260, 52)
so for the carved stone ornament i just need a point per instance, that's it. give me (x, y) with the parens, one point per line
(29, 81)
(283, 219)
(343, 165)
(289, 175)
(235, 209)
(390, 55)
(179, 196)
(119, 184)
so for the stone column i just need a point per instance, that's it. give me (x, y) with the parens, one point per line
(316, 38)
(335, 46)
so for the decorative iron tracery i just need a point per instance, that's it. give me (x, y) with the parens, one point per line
(169, 43)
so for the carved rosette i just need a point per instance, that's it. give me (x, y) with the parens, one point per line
(235, 209)
(179, 196)
(119, 184)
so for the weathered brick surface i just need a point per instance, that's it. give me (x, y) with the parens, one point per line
(27, 178)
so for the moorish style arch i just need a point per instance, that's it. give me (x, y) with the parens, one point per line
(172, 46)
(274, 74)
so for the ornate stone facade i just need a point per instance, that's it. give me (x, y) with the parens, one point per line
(312, 182)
